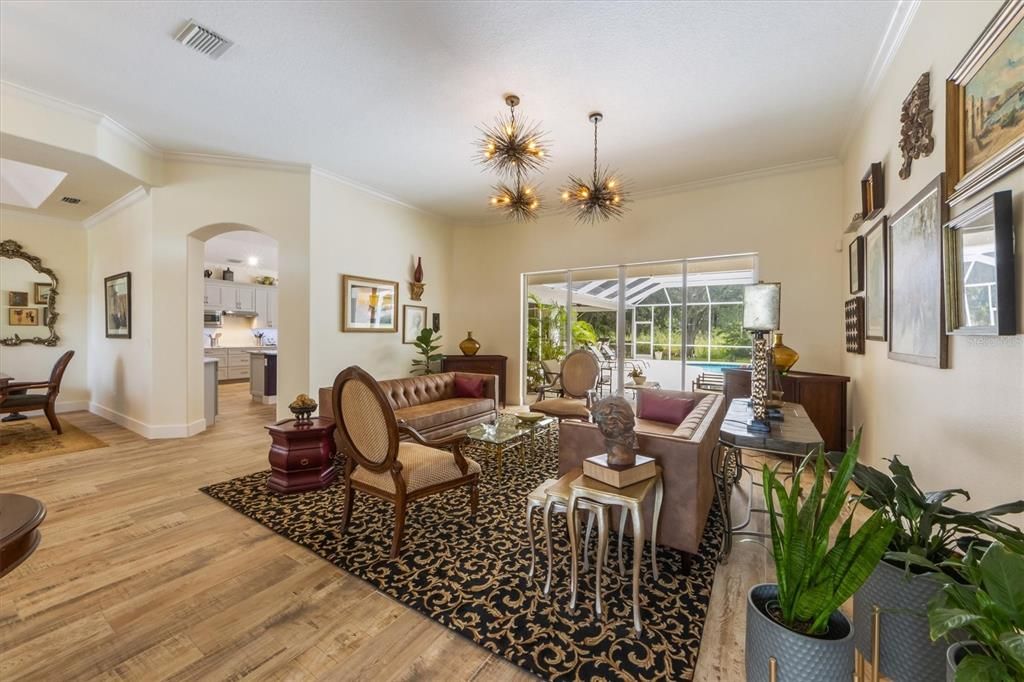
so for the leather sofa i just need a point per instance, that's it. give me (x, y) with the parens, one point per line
(684, 452)
(429, 404)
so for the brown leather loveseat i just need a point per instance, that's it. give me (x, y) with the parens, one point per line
(684, 452)
(430, 405)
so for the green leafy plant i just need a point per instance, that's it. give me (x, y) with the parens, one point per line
(426, 344)
(984, 598)
(636, 372)
(813, 578)
(927, 530)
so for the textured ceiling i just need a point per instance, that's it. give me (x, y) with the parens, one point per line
(389, 94)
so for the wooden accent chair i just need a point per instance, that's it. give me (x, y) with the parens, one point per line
(578, 379)
(16, 397)
(379, 464)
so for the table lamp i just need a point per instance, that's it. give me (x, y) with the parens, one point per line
(761, 312)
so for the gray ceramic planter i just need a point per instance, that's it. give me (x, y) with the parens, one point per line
(798, 656)
(907, 652)
(954, 653)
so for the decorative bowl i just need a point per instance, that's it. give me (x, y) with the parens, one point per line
(530, 417)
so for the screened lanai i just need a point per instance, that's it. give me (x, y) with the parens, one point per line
(646, 316)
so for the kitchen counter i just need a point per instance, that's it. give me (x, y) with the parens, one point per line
(261, 351)
(239, 347)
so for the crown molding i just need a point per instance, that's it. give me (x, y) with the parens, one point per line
(895, 33)
(391, 199)
(235, 161)
(742, 176)
(84, 113)
(116, 206)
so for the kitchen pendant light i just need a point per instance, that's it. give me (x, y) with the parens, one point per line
(603, 198)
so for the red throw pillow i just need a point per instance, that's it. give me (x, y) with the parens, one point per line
(664, 408)
(469, 387)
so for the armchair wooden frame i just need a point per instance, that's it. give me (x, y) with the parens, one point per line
(18, 391)
(361, 451)
(574, 385)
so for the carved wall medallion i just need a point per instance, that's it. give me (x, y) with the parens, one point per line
(916, 140)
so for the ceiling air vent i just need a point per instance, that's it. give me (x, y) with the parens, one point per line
(202, 39)
(71, 200)
(234, 260)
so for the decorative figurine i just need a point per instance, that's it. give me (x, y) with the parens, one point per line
(614, 418)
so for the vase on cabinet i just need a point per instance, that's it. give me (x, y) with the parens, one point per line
(785, 357)
(469, 345)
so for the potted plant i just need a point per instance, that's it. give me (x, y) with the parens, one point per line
(426, 343)
(904, 582)
(797, 620)
(984, 598)
(637, 375)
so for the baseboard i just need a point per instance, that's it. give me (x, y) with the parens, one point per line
(72, 405)
(149, 431)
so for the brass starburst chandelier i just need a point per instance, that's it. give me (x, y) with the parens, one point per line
(603, 198)
(514, 148)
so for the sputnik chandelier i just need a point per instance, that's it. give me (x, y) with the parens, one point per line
(601, 199)
(514, 148)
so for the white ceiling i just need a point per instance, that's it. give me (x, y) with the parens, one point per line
(240, 246)
(388, 93)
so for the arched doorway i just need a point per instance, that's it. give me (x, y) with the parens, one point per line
(242, 325)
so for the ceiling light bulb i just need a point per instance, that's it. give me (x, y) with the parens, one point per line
(611, 183)
(253, 261)
(565, 196)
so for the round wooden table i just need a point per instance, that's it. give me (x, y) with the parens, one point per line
(20, 517)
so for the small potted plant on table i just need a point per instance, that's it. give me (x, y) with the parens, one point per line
(794, 626)
(637, 375)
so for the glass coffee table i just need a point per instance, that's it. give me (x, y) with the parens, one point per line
(508, 433)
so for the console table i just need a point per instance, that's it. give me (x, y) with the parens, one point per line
(822, 395)
(479, 364)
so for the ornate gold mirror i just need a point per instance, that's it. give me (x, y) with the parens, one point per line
(28, 298)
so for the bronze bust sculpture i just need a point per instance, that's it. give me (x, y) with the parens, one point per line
(614, 417)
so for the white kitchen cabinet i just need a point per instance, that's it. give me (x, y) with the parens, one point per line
(266, 308)
(213, 295)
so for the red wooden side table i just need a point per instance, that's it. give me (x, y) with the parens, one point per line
(301, 455)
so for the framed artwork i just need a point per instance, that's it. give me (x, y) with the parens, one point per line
(41, 292)
(17, 298)
(984, 111)
(872, 192)
(117, 305)
(876, 280)
(414, 320)
(854, 316)
(23, 317)
(857, 265)
(979, 271)
(917, 328)
(368, 305)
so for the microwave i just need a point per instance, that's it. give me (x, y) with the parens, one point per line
(213, 318)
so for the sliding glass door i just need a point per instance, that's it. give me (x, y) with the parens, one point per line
(670, 321)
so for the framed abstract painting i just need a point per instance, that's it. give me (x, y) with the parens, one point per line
(368, 305)
(117, 305)
(917, 326)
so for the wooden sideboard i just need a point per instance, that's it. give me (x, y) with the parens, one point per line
(822, 395)
(479, 364)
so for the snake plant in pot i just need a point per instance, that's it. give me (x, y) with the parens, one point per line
(904, 582)
(797, 621)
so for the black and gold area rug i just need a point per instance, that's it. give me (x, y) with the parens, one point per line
(472, 577)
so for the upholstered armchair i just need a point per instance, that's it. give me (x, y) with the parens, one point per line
(16, 397)
(578, 378)
(378, 463)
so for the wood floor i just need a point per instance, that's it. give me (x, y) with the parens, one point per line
(142, 577)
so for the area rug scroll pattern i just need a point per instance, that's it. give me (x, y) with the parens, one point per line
(472, 577)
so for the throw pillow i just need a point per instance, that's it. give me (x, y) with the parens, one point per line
(469, 387)
(664, 408)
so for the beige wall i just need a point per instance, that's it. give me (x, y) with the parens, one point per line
(957, 427)
(353, 232)
(788, 219)
(121, 370)
(61, 245)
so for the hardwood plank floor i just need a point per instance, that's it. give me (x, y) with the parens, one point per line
(142, 577)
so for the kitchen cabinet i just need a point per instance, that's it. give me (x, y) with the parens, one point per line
(229, 296)
(213, 295)
(266, 307)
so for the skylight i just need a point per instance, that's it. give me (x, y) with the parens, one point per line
(25, 185)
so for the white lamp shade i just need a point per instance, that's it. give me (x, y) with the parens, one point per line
(761, 306)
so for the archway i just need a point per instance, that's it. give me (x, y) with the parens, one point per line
(197, 333)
